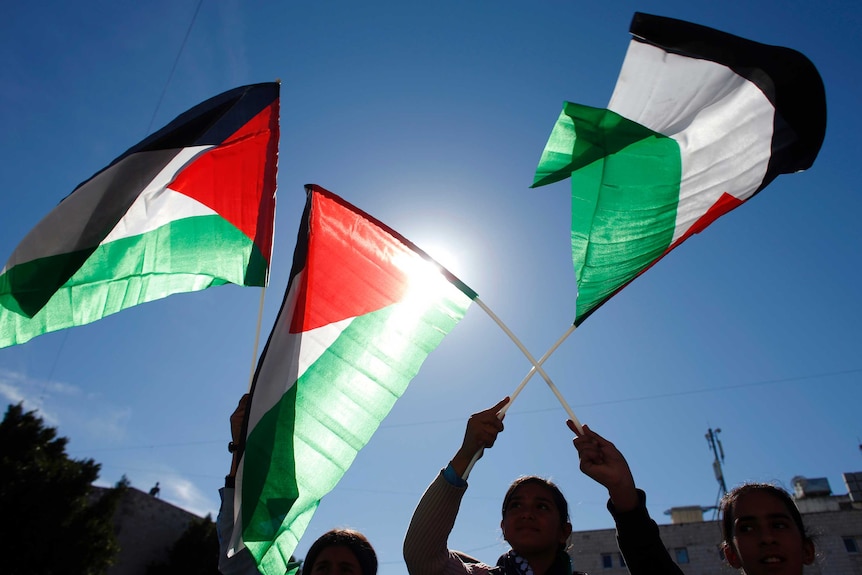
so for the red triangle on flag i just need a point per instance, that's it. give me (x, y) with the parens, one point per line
(236, 177)
(349, 269)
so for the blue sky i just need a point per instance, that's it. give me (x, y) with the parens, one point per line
(432, 118)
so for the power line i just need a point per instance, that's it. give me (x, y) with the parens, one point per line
(529, 411)
(152, 446)
(174, 67)
(649, 397)
(149, 128)
(723, 388)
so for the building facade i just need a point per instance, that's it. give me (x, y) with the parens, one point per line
(834, 522)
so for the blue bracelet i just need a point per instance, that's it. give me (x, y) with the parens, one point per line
(450, 475)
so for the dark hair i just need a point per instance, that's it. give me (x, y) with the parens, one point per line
(353, 540)
(557, 495)
(728, 503)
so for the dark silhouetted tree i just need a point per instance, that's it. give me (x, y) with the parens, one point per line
(52, 523)
(194, 553)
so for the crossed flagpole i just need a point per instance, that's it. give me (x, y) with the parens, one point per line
(537, 367)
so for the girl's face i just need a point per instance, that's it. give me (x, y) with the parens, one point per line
(765, 537)
(336, 560)
(532, 523)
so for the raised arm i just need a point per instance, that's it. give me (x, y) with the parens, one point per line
(638, 536)
(603, 462)
(481, 433)
(426, 550)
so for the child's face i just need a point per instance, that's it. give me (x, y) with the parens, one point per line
(336, 560)
(532, 522)
(765, 537)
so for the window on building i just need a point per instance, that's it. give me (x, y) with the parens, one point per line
(607, 560)
(622, 559)
(850, 545)
(681, 555)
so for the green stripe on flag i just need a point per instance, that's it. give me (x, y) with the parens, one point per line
(625, 193)
(24, 287)
(302, 447)
(183, 256)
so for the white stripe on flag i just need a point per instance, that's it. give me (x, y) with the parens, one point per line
(722, 122)
(158, 205)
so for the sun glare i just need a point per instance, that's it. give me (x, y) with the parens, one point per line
(444, 256)
(427, 284)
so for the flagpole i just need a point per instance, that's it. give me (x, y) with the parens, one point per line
(532, 372)
(256, 338)
(537, 366)
(521, 386)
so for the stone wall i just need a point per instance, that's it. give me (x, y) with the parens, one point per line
(146, 528)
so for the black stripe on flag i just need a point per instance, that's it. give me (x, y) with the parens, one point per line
(787, 77)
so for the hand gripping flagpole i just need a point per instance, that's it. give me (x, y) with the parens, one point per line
(537, 366)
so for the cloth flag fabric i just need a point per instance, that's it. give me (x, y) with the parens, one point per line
(190, 207)
(699, 122)
(362, 310)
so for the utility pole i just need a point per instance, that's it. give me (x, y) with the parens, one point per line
(718, 451)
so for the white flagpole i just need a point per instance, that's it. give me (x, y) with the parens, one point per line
(533, 372)
(537, 366)
(256, 338)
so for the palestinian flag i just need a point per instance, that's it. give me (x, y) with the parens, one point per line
(362, 310)
(190, 207)
(699, 122)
